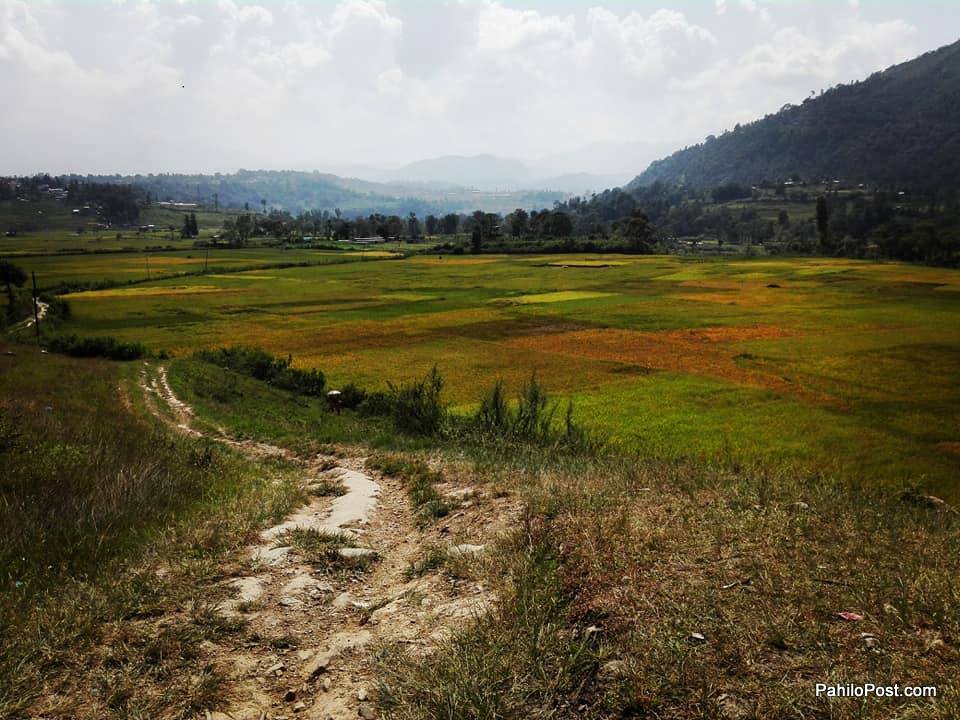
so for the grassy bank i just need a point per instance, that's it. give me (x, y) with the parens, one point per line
(108, 524)
(631, 587)
(680, 591)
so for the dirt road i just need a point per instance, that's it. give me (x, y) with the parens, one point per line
(320, 627)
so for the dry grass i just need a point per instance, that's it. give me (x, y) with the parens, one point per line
(681, 592)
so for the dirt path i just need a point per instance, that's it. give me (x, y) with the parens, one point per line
(42, 309)
(317, 628)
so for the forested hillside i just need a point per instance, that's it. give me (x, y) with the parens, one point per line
(897, 127)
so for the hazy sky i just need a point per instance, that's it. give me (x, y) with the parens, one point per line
(197, 85)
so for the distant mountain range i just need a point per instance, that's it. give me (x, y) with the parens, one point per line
(296, 191)
(901, 125)
(492, 173)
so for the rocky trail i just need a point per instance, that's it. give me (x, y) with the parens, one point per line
(318, 628)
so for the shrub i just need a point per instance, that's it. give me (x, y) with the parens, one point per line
(105, 347)
(532, 422)
(261, 365)
(416, 407)
(352, 396)
(376, 403)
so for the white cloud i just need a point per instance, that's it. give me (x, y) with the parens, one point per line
(193, 85)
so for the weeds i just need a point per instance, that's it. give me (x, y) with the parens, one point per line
(94, 502)
(323, 549)
(532, 421)
(419, 480)
(676, 590)
(433, 558)
(325, 487)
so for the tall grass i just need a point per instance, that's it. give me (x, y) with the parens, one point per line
(531, 421)
(94, 500)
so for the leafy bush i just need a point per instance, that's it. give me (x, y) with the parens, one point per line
(261, 365)
(105, 347)
(416, 407)
(376, 403)
(352, 396)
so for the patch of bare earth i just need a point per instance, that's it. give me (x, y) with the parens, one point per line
(312, 627)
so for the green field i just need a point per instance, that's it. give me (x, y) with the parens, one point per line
(92, 268)
(831, 365)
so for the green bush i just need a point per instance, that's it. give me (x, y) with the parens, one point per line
(89, 347)
(261, 365)
(532, 421)
(352, 396)
(377, 403)
(416, 406)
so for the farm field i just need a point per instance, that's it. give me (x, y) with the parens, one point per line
(56, 270)
(822, 364)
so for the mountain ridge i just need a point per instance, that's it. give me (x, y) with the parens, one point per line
(899, 125)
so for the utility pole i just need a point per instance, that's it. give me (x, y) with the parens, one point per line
(216, 202)
(206, 258)
(36, 310)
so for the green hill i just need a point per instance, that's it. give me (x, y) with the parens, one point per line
(899, 126)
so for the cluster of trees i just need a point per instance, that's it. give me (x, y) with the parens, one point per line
(113, 203)
(190, 229)
(905, 225)
(889, 225)
(914, 224)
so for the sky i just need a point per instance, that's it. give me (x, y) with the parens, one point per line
(130, 86)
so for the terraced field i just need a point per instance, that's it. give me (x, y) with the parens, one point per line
(831, 365)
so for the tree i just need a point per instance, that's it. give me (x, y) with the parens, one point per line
(517, 222)
(432, 223)
(823, 223)
(186, 231)
(449, 224)
(413, 226)
(12, 275)
(194, 229)
(476, 232)
(638, 231)
(557, 224)
(483, 227)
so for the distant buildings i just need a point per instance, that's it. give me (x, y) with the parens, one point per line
(364, 240)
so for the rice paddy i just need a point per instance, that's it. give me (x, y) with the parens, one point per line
(826, 365)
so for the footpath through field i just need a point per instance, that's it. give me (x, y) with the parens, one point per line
(329, 622)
